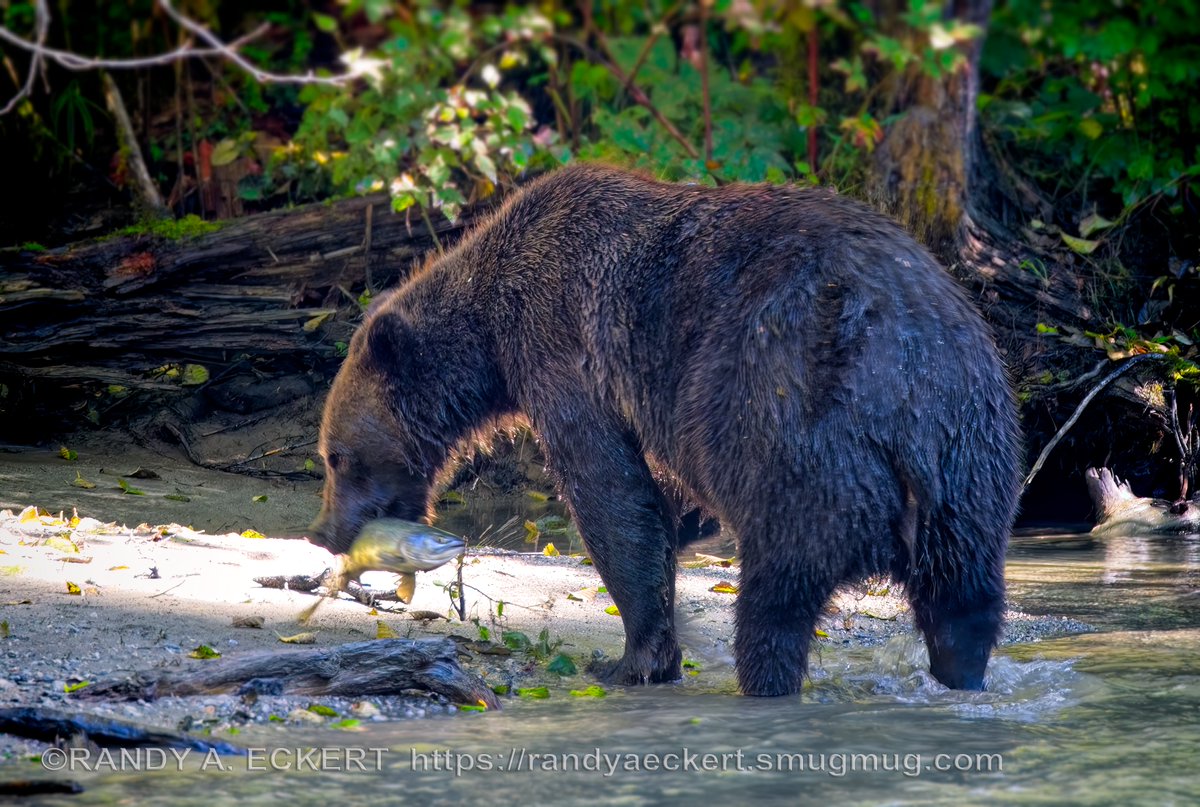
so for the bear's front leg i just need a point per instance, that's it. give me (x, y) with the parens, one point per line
(625, 522)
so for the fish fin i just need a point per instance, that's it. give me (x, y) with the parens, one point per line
(406, 587)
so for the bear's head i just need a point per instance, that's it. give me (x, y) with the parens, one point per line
(411, 389)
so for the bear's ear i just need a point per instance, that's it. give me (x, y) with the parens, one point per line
(391, 341)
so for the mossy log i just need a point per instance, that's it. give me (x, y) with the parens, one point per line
(357, 669)
(273, 292)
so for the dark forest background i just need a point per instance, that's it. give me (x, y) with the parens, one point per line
(163, 266)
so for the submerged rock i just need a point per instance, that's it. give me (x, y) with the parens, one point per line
(1119, 511)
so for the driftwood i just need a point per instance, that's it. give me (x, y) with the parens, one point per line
(274, 291)
(378, 667)
(308, 583)
(51, 725)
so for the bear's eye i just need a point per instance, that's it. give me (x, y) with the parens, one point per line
(333, 461)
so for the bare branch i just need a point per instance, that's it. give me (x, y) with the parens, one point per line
(215, 47)
(229, 54)
(1087, 399)
(41, 26)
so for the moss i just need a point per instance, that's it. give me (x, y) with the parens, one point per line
(190, 226)
(32, 246)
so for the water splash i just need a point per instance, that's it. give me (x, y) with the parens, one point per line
(898, 671)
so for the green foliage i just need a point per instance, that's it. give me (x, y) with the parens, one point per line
(1180, 356)
(73, 116)
(1097, 97)
(754, 137)
(440, 120)
(562, 665)
(433, 125)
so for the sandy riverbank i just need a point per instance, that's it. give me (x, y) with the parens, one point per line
(83, 602)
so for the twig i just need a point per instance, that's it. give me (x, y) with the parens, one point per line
(366, 245)
(432, 232)
(168, 590)
(1075, 382)
(236, 467)
(1087, 399)
(273, 451)
(240, 424)
(75, 62)
(635, 92)
(462, 598)
(228, 53)
(147, 191)
(657, 30)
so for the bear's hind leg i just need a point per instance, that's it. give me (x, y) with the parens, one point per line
(957, 593)
(778, 604)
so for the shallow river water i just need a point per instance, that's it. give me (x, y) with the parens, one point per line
(1104, 718)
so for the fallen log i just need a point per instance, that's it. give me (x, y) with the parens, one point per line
(377, 667)
(262, 296)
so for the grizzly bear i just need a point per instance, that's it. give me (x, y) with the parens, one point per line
(806, 371)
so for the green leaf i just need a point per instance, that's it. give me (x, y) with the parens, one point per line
(251, 188)
(323, 711)
(562, 665)
(194, 375)
(537, 693)
(130, 489)
(515, 640)
(225, 152)
(517, 117)
(1080, 245)
(204, 652)
(1090, 128)
(486, 167)
(259, 499)
(1094, 223)
(69, 688)
(325, 23)
(593, 691)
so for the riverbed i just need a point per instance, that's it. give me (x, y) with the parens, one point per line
(1093, 697)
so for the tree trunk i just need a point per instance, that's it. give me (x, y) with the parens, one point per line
(934, 175)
